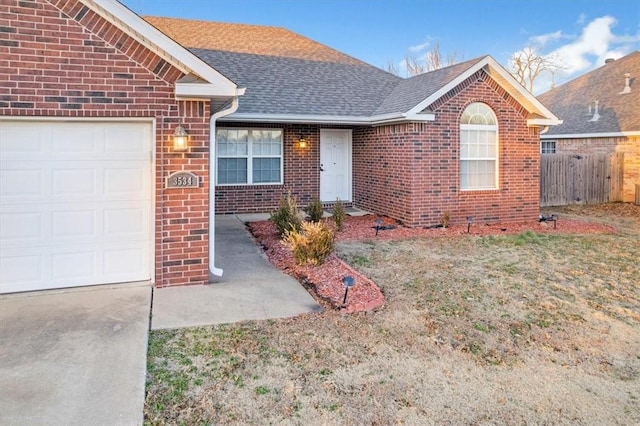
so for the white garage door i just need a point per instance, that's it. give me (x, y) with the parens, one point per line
(75, 204)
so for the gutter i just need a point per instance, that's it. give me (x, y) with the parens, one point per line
(590, 135)
(212, 183)
(330, 119)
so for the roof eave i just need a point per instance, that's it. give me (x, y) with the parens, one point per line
(591, 135)
(376, 120)
(155, 40)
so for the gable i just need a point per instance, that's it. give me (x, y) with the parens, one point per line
(73, 67)
(202, 80)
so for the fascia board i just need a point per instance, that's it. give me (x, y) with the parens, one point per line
(145, 33)
(185, 91)
(543, 122)
(591, 135)
(515, 85)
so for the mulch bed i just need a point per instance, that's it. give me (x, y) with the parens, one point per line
(326, 281)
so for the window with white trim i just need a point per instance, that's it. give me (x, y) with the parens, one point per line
(478, 148)
(249, 156)
(548, 147)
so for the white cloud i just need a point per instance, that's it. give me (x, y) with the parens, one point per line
(581, 19)
(595, 40)
(419, 47)
(543, 39)
(581, 53)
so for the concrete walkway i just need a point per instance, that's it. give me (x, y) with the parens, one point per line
(250, 288)
(75, 357)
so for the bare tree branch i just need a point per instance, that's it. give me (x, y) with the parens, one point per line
(431, 61)
(527, 64)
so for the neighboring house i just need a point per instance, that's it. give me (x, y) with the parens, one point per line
(600, 111)
(95, 100)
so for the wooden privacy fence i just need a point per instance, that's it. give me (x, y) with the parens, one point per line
(580, 179)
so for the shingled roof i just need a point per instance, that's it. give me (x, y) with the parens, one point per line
(289, 77)
(574, 102)
(411, 91)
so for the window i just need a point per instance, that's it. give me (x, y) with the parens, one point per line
(249, 156)
(548, 147)
(478, 148)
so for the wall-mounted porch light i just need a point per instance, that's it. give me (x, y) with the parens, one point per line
(302, 142)
(180, 139)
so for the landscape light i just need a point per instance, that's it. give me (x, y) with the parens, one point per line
(348, 282)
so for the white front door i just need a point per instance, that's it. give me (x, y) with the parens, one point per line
(76, 203)
(335, 165)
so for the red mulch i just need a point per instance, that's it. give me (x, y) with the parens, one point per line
(325, 280)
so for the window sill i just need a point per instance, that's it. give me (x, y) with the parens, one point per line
(480, 191)
(250, 185)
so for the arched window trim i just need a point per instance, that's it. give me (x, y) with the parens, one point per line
(477, 160)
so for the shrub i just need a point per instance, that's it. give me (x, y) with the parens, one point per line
(314, 210)
(287, 217)
(339, 214)
(446, 218)
(312, 244)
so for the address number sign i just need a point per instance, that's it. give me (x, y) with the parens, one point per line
(182, 180)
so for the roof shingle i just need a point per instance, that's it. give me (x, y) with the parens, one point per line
(618, 112)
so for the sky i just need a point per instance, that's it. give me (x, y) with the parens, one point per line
(580, 34)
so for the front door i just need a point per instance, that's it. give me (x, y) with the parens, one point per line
(335, 165)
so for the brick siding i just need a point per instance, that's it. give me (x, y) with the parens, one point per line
(411, 171)
(301, 173)
(630, 146)
(59, 59)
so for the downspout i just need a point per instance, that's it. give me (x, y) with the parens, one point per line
(212, 183)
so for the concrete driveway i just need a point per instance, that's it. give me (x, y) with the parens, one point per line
(74, 358)
(78, 357)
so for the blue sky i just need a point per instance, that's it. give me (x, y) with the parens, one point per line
(582, 33)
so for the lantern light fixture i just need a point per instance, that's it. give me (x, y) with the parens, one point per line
(302, 142)
(180, 139)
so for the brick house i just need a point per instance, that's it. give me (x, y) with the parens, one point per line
(601, 114)
(96, 189)
(386, 144)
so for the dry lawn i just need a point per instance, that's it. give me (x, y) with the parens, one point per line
(506, 329)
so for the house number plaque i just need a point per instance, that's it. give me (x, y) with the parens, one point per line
(182, 180)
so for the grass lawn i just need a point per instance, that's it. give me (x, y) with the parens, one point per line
(505, 329)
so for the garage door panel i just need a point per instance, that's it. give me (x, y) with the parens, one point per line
(23, 139)
(76, 204)
(20, 183)
(74, 267)
(74, 182)
(75, 138)
(128, 181)
(126, 222)
(19, 226)
(21, 272)
(74, 224)
(119, 261)
(129, 139)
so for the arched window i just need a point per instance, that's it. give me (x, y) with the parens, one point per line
(478, 148)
